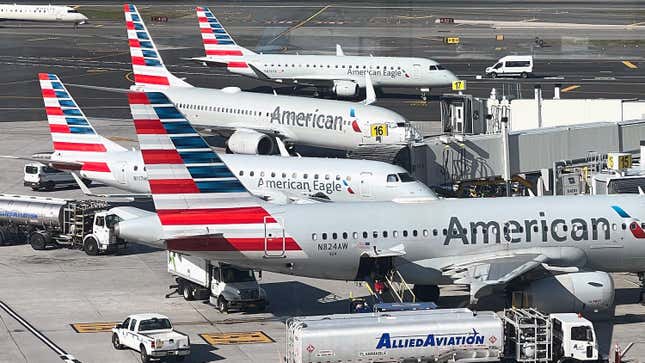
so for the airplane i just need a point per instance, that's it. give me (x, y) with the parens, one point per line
(557, 250)
(341, 74)
(79, 148)
(258, 123)
(53, 13)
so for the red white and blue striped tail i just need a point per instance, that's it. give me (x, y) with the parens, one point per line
(74, 138)
(219, 45)
(147, 65)
(202, 205)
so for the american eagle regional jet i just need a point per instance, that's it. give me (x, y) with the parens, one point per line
(341, 74)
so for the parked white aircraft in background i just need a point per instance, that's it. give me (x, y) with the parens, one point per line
(50, 12)
(341, 74)
(254, 122)
(557, 251)
(77, 146)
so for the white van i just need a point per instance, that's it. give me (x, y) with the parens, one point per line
(39, 176)
(512, 65)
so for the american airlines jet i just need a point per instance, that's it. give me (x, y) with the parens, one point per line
(556, 250)
(78, 147)
(254, 122)
(53, 13)
(341, 74)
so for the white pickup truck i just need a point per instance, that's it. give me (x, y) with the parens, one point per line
(152, 335)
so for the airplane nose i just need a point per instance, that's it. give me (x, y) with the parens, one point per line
(450, 77)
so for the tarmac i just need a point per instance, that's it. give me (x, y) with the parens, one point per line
(55, 289)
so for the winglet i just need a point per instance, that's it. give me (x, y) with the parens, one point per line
(339, 51)
(370, 94)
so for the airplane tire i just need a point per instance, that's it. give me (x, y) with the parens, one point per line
(427, 293)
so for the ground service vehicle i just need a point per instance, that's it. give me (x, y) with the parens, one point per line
(512, 65)
(85, 224)
(443, 335)
(152, 335)
(39, 176)
(224, 285)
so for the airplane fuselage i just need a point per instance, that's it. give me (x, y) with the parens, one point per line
(274, 176)
(383, 71)
(51, 13)
(590, 232)
(323, 123)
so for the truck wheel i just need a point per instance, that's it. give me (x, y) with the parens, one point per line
(4, 241)
(145, 358)
(427, 293)
(115, 342)
(222, 305)
(493, 75)
(49, 186)
(524, 75)
(91, 247)
(188, 292)
(37, 241)
(34, 188)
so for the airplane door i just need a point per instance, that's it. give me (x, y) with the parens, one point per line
(121, 172)
(365, 189)
(274, 237)
(416, 70)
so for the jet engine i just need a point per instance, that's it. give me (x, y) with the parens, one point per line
(345, 88)
(572, 292)
(250, 142)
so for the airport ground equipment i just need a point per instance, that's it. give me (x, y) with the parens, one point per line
(152, 335)
(512, 65)
(39, 176)
(225, 286)
(83, 224)
(443, 335)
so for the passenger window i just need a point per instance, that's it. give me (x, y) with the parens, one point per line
(497, 66)
(435, 232)
(425, 233)
(415, 233)
(126, 323)
(344, 235)
(284, 175)
(326, 176)
(405, 233)
(355, 235)
(324, 236)
(294, 175)
(133, 323)
(241, 172)
(334, 235)
(313, 236)
(337, 177)
(305, 176)
(364, 234)
(384, 234)
(252, 173)
(100, 221)
(315, 176)
(395, 234)
(375, 234)
(273, 174)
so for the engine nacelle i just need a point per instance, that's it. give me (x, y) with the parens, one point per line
(345, 88)
(250, 143)
(573, 292)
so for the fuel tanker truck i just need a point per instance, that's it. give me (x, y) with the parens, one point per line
(83, 224)
(442, 335)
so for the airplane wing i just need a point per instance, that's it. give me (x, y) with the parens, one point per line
(487, 273)
(63, 165)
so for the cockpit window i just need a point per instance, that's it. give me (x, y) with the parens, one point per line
(392, 178)
(406, 178)
(72, 11)
(437, 67)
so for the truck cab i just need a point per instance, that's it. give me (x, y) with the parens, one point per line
(102, 236)
(573, 338)
(38, 176)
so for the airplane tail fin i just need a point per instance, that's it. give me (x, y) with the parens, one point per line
(73, 136)
(219, 45)
(147, 65)
(201, 204)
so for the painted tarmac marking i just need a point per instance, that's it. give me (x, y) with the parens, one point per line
(63, 355)
(570, 88)
(299, 24)
(100, 327)
(629, 64)
(251, 337)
